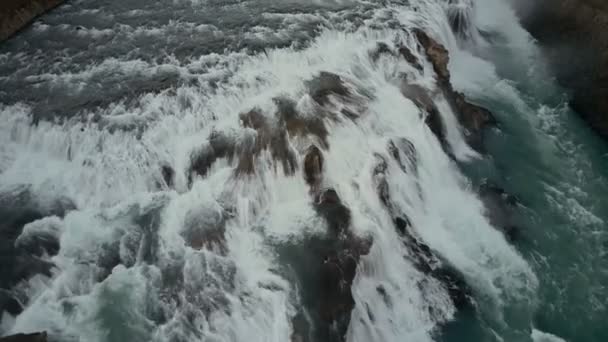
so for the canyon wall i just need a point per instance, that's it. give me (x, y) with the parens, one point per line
(574, 35)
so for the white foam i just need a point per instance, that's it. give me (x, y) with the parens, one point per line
(540, 336)
(113, 176)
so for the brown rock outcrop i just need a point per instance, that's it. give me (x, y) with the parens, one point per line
(16, 14)
(472, 117)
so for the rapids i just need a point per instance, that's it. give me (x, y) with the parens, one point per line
(202, 170)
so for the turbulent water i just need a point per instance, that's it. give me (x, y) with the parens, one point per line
(123, 226)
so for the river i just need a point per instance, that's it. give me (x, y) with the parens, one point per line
(118, 121)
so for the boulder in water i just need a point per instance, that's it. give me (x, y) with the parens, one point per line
(500, 209)
(326, 84)
(330, 207)
(313, 168)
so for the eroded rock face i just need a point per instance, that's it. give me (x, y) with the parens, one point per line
(16, 14)
(473, 118)
(574, 36)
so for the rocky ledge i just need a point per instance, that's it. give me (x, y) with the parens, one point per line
(574, 35)
(16, 14)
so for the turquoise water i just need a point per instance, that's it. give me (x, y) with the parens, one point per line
(550, 159)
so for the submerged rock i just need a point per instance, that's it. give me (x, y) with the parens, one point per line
(402, 50)
(168, 175)
(298, 125)
(219, 146)
(206, 228)
(423, 100)
(500, 209)
(419, 253)
(326, 84)
(24, 258)
(313, 168)
(407, 54)
(330, 207)
(35, 337)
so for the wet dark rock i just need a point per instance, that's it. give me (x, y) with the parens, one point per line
(206, 228)
(407, 54)
(381, 49)
(500, 209)
(325, 85)
(436, 53)
(385, 297)
(423, 100)
(35, 337)
(219, 146)
(405, 154)
(313, 168)
(9, 303)
(419, 253)
(168, 175)
(16, 14)
(38, 244)
(328, 264)
(402, 50)
(24, 258)
(473, 118)
(460, 16)
(298, 125)
(460, 292)
(273, 138)
(330, 207)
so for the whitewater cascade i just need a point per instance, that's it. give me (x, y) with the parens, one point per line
(302, 193)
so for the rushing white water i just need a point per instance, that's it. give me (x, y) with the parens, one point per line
(110, 168)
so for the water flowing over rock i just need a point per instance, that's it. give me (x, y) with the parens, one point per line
(282, 172)
(472, 117)
(501, 207)
(23, 257)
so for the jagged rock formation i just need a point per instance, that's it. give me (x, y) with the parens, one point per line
(574, 36)
(16, 14)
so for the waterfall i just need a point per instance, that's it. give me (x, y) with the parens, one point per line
(300, 193)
